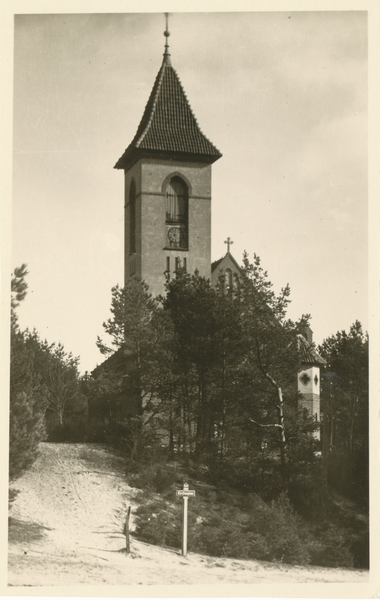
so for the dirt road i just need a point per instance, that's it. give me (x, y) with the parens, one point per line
(66, 530)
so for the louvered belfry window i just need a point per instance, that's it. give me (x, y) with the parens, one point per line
(177, 210)
(176, 201)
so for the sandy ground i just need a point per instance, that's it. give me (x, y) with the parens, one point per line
(66, 529)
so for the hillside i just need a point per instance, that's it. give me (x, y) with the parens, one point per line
(66, 528)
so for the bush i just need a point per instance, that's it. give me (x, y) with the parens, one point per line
(273, 533)
(74, 432)
(27, 429)
(243, 526)
(333, 548)
(157, 525)
(255, 475)
(360, 550)
(156, 477)
(286, 535)
(96, 432)
(12, 495)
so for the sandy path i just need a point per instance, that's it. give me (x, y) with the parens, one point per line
(66, 529)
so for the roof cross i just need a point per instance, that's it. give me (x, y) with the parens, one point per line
(228, 242)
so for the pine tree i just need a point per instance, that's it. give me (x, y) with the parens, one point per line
(141, 335)
(269, 360)
(345, 410)
(28, 394)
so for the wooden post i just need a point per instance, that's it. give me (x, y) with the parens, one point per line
(184, 532)
(185, 493)
(126, 531)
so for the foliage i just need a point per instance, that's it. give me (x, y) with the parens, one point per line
(12, 495)
(138, 371)
(333, 547)
(156, 477)
(157, 523)
(204, 350)
(18, 286)
(58, 372)
(269, 346)
(60, 375)
(234, 362)
(241, 526)
(209, 373)
(43, 381)
(28, 394)
(345, 409)
(104, 393)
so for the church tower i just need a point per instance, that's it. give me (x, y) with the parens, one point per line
(309, 376)
(167, 174)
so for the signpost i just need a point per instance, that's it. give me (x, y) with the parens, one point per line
(185, 493)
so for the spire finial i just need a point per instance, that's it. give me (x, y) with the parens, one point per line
(167, 60)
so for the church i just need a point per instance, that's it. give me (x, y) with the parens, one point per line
(167, 204)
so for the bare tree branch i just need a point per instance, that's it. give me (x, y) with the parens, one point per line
(269, 424)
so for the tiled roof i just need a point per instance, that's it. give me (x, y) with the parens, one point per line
(216, 263)
(308, 354)
(168, 124)
(115, 363)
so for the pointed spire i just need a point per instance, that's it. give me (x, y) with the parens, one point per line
(167, 60)
(168, 128)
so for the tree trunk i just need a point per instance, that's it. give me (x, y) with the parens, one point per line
(126, 531)
(280, 418)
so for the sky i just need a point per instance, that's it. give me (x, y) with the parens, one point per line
(283, 96)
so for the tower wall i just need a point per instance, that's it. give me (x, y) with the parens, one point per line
(152, 246)
(132, 262)
(309, 388)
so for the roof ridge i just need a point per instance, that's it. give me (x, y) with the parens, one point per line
(191, 110)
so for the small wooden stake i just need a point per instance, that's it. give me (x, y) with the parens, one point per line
(126, 531)
(185, 493)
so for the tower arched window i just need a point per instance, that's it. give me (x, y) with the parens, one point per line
(132, 217)
(177, 213)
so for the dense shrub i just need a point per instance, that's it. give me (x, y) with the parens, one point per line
(360, 549)
(73, 432)
(286, 536)
(273, 533)
(257, 475)
(155, 477)
(158, 523)
(96, 432)
(333, 549)
(12, 495)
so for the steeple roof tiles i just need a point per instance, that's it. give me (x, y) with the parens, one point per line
(168, 124)
(308, 354)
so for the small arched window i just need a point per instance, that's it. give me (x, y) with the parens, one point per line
(132, 217)
(177, 213)
(229, 279)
